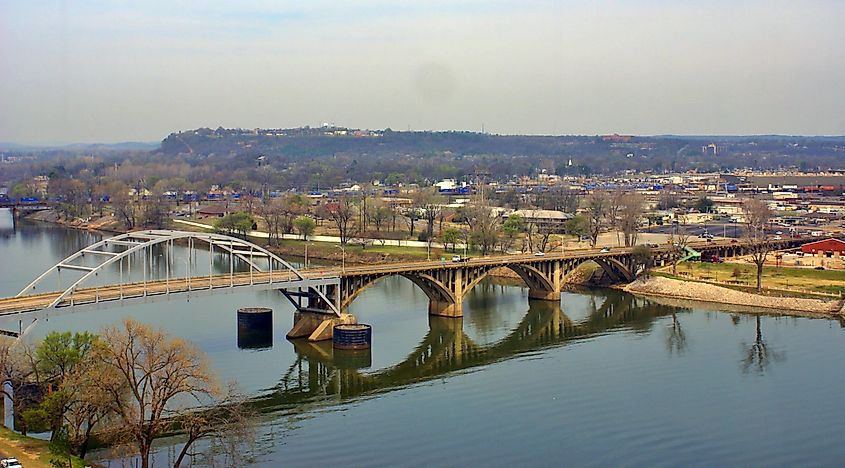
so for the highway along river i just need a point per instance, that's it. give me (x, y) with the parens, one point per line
(604, 378)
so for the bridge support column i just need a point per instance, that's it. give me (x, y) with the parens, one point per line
(541, 295)
(445, 309)
(317, 326)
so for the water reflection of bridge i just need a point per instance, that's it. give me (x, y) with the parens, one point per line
(320, 374)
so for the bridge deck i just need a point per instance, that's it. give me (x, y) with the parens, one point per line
(105, 294)
(283, 279)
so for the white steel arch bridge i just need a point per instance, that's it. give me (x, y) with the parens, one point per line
(142, 266)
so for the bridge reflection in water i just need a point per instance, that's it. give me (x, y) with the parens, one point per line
(323, 375)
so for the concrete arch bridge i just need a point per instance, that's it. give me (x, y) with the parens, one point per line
(154, 265)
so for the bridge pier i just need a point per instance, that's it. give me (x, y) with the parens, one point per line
(543, 295)
(445, 309)
(317, 326)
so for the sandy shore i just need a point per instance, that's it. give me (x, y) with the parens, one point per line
(690, 290)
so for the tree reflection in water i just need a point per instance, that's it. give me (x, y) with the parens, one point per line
(676, 338)
(757, 355)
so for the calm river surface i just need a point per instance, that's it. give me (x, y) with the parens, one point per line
(602, 379)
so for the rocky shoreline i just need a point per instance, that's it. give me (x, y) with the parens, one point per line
(693, 291)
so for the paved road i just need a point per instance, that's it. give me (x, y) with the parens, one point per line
(727, 230)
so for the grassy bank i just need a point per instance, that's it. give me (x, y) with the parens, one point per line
(780, 278)
(356, 253)
(31, 452)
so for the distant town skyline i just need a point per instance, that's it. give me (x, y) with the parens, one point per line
(95, 71)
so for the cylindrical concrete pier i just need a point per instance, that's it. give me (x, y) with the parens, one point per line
(255, 327)
(352, 336)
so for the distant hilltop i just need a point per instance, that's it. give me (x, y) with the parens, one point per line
(83, 147)
(602, 153)
(321, 141)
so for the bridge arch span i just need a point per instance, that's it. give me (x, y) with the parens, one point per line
(431, 286)
(446, 287)
(122, 250)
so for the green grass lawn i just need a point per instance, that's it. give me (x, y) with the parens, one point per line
(827, 281)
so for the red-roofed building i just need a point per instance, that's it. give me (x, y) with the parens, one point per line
(825, 248)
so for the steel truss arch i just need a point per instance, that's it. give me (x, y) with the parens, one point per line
(139, 241)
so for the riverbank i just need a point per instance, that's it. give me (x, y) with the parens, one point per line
(103, 223)
(32, 452)
(779, 279)
(695, 291)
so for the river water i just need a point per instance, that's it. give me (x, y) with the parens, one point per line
(603, 378)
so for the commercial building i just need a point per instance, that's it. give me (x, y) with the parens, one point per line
(825, 248)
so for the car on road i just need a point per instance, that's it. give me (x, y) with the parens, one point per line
(707, 236)
(458, 258)
(539, 254)
(10, 463)
(604, 250)
(652, 245)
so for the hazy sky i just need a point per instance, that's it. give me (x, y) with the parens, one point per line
(86, 71)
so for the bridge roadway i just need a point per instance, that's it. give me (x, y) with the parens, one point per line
(86, 296)
(351, 278)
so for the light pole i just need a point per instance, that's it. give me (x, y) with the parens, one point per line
(306, 255)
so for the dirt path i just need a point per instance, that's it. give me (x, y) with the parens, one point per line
(30, 452)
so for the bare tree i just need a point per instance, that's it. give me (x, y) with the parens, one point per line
(442, 214)
(598, 206)
(616, 203)
(429, 204)
(88, 405)
(155, 211)
(411, 216)
(124, 205)
(757, 216)
(274, 213)
(629, 217)
(484, 227)
(667, 200)
(230, 423)
(559, 199)
(13, 370)
(279, 215)
(147, 377)
(538, 234)
(378, 213)
(343, 213)
(680, 241)
(393, 212)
